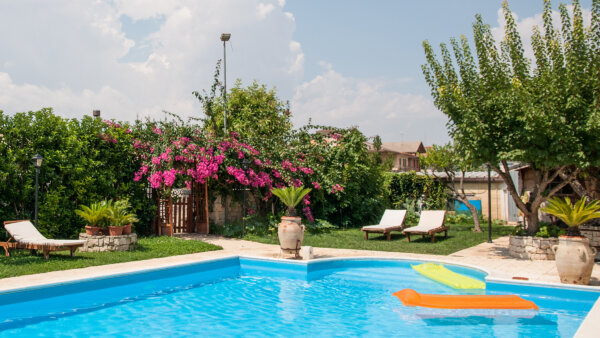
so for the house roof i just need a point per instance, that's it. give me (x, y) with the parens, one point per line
(403, 147)
(470, 175)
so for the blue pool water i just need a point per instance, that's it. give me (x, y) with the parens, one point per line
(248, 297)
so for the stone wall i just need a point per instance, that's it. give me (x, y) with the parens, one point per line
(532, 248)
(593, 234)
(217, 213)
(108, 243)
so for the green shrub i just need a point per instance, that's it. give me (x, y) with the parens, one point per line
(85, 161)
(320, 226)
(411, 186)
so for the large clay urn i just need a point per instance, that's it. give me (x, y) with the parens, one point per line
(291, 234)
(574, 259)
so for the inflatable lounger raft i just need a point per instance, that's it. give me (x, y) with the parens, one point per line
(410, 297)
(440, 274)
(467, 305)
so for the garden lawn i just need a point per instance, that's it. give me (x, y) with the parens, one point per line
(459, 237)
(21, 262)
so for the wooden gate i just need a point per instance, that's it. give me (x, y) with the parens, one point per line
(185, 211)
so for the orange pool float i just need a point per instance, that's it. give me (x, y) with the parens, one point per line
(410, 297)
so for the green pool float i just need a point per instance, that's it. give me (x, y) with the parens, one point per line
(440, 274)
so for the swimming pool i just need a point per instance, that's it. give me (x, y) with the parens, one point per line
(254, 297)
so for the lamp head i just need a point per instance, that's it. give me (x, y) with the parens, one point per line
(245, 163)
(225, 37)
(37, 160)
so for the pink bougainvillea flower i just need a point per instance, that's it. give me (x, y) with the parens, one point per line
(336, 188)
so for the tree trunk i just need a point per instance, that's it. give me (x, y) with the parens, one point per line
(532, 222)
(463, 199)
(473, 210)
(576, 186)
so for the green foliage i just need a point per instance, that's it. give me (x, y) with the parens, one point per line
(352, 179)
(118, 213)
(573, 214)
(94, 214)
(412, 210)
(458, 218)
(320, 226)
(255, 113)
(85, 160)
(414, 187)
(550, 230)
(291, 197)
(500, 109)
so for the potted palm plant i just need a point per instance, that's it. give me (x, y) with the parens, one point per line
(120, 217)
(93, 215)
(574, 256)
(290, 231)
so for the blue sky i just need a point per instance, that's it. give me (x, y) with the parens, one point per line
(338, 62)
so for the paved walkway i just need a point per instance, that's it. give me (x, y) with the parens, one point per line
(492, 257)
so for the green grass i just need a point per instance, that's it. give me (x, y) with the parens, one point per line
(21, 262)
(459, 237)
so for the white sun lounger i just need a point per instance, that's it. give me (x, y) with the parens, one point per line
(430, 223)
(23, 235)
(390, 221)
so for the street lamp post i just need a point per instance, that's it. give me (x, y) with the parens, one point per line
(37, 162)
(225, 37)
(245, 164)
(489, 204)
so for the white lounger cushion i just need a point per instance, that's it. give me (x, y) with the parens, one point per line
(390, 219)
(429, 220)
(25, 232)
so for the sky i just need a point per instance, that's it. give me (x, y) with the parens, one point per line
(337, 62)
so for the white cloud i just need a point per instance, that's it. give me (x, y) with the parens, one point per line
(263, 10)
(67, 54)
(333, 99)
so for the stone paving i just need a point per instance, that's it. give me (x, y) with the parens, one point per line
(492, 257)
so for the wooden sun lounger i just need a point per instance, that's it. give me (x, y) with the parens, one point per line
(24, 236)
(392, 220)
(430, 223)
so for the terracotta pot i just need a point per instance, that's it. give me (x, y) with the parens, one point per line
(127, 229)
(574, 259)
(291, 234)
(92, 231)
(115, 231)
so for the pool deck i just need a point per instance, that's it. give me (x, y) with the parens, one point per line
(490, 257)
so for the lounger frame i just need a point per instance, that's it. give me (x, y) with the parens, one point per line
(431, 233)
(386, 230)
(12, 244)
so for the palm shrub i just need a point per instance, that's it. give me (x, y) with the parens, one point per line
(291, 196)
(119, 214)
(94, 214)
(573, 214)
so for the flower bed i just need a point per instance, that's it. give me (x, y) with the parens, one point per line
(108, 243)
(532, 248)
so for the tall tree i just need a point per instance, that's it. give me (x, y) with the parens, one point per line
(501, 108)
(445, 159)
